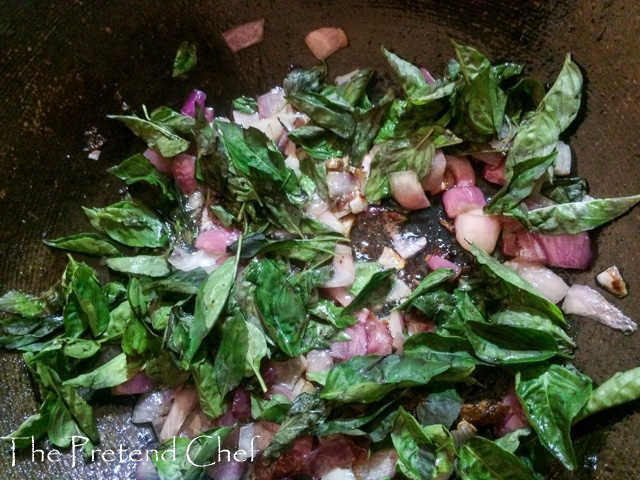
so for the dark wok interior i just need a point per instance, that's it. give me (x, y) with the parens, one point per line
(65, 65)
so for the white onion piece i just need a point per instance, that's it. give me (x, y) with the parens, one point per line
(344, 271)
(612, 281)
(380, 465)
(550, 285)
(245, 119)
(271, 102)
(339, 474)
(185, 261)
(407, 191)
(257, 435)
(183, 403)
(346, 77)
(292, 120)
(461, 199)
(149, 406)
(586, 302)
(461, 169)
(340, 295)
(325, 41)
(562, 165)
(433, 182)
(244, 35)
(330, 220)
(395, 324)
(319, 361)
(477, 228)
(340, 184)
(271, 127)
(407, 245)
(399, 291)
(390, 259)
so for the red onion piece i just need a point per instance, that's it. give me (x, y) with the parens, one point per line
(379, 340)
(529, 247)
(209, 114)
(458, 200)
(335, 451)
(427, 76)
(340, 295)
(407, 245)
(216, 240)
(407, 191)
(434, 181)
(319, 361)
(434, 262)
(567, 250)
(490, 158)
(325, 41)
(162, 164)
(480, 229)
(357, 345)
(244, 35)
(344, 271)
(586, 302)
(140, 383)
(184, 169)
(227, 470)
(183, 402)
(241, 404)
(271, 102)
(550, 285)
(380, 465)
(189, 106)
(515, 418)
(493, 174)
(461, 169)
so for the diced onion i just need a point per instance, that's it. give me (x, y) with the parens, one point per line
(461, 169)
(271, 102)
(216, 240)
(189, 107)
(407, 245)
(435, 262)
(407, 191)
(244, 35)
(344, 271)
(550, 285)
(434, 181)
(562, 165)
(325, 41)
(458, 200)
(184, 169)
(477, 228)
(161, 163)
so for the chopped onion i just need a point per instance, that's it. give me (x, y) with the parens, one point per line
(435, 262)
(241, 404)
(325, 41)
(562, 165)
(566, 250)
(490, 158)
(344, 272)
(335, 451)
(612, 281)
(162, 164)
(461, 169)
(149, 406)
(227, 469)
(493, 174)
(245, 120)
(217, 240)
(390, 259)
(586, 302)
(399, 291)
(255, 436)
(427, 76)
(140, 383)
(146, 470)
(434, 181)
(395, 324)
(340, 295)
(184, 171)
(244, 35)
(407, 191)
(271, 102)
(185, 261)
(379, 466)
(357, 345)
(209, 114)
(379, 340)
(319, 361)
(407, 245)
(550, 285)
(346, 77)
(515, 417)
(458, 200)
(529, 247)
(189, 107)
(339, 474)
(183, 402)
(477, 228)
(340, 184)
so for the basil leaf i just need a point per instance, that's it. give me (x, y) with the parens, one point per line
(130, 224)
(186, 58)
(373, 291)
(273, 410)
(565, 190)
(149, 265)
(257, 349)
(408, 75)
(246, 105)
(201, 451)
(523, 182)
(456, 351)
(157, 136)
(210, 303)
(354, 89)
(366, 129)
(369, 378)
(307, 411)
(138, 169)
(552, 396)
(482, 459)
(329, 312)
(511, 441)
(621, 388)
(305, 80)
(563, 98)
(440, 408)
(112, 373)
(323, 112)
(87, 305)
(23, 304)
(424, 452)
(432, 280)
(349, 426)
(481, 104)
(87, 243)
(575, 217)
(471, 61)
(518, 291)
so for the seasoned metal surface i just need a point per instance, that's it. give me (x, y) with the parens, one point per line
(65, 65)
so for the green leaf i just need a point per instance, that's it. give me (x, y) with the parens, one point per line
(87, 304)
(565, 190)
(515, 288)
(185, 60)
(210, 303)
(482, 459)
(307, 411)
(563, 98)
(482, 103)
(408, 75)
(351, 426)
(157, 136)
(621, 388)
(471, 61)
(323, 112)
(110, 374)
(355, 88)
(23, 304)
(511, 441)
(87, 243)
(366, 129)
(369, 378)
(201, 452)
(246, 105)
(137, 168)
(305, 80)
(523, 182)
(552, 396)
(575, 217)
(424, 452)
(329, 312)
(257, 349)
(273, 410)
(427, 284)
(130, 224)
(80, 349)
(149, 265)
(373, 291)
(440, 408)
(456, 351)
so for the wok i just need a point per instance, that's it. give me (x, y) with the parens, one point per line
(66, 65)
